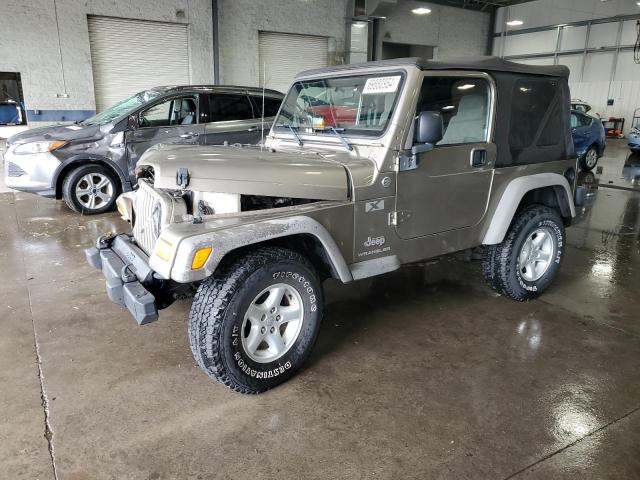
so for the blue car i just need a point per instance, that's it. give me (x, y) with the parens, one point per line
(588, 138)
(634, 133)
(634, 139)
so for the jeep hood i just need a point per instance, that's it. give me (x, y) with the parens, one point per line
(249, 171)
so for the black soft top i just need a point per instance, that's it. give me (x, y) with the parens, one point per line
(479, 63)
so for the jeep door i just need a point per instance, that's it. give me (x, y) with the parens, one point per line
(230, 117)
(449, 187)
(170, 120)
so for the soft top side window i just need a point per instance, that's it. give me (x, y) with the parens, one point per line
(463, 103)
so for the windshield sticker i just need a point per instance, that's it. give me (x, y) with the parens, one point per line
(381, 85)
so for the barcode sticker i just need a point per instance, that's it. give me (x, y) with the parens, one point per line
(381, 85)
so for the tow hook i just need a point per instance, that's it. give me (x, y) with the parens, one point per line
(104, 241)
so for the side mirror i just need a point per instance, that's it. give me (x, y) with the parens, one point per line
(134, 123)
(428, 132)
(428, 128)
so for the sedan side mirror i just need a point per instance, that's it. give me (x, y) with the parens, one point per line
(134, 123)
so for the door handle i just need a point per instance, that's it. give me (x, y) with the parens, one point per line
(189, 135)
(478, 157)
(253, 129)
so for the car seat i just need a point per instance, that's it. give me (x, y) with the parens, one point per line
(469, 124)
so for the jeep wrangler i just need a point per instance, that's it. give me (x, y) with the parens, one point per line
(367, 168)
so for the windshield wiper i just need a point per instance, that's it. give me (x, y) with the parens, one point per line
(291, 127)
(336, 132)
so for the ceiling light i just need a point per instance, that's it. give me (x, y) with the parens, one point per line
(466, 86)
(515, 23)
(421, 11)
(359, 24)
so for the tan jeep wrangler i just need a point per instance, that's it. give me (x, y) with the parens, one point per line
(367, 168)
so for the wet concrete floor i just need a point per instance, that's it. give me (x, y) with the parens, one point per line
(422, 373)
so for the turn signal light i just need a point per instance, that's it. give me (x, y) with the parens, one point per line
(200, 257)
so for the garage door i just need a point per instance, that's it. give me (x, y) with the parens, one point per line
(128, 56)
(284, 55)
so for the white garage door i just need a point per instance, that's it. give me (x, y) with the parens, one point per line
(283, 55)
(128, 56)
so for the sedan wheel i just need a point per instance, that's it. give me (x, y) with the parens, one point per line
(590, 159)
(94, 191)
(91, 189)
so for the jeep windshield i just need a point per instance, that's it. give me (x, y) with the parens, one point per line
(121, 108)
(355, 105)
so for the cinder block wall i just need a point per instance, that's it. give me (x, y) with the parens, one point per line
(455, 32)
(29, 44)
(241, 20)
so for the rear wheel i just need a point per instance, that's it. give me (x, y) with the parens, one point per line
(90, 189)
(589, 159)
(526, 262)
(253, 324)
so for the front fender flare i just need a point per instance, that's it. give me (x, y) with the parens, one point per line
(513, 194)
(231, 238)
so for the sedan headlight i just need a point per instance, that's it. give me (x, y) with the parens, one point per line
(38, 147)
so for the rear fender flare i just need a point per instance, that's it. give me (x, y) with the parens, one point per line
(513, 194)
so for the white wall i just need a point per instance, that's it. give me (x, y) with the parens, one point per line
(541, 13)
(596, 76)
(241, 20)
(455, 32)
(29, 44)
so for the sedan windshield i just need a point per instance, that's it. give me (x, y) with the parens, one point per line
(357, 105)
(121, 108)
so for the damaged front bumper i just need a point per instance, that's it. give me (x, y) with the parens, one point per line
(126, 270)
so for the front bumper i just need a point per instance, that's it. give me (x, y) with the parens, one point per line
(30, 173)
(126, 270)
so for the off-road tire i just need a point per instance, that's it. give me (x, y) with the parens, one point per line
(219, 308)
(75, 176)
(501, 262)
(583, 160)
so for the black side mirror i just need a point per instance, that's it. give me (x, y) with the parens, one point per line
(429, 128)
(428, 132)
(134, 123)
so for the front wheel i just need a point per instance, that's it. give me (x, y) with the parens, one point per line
(90, 189)
(253, 324)
(526, 262)
(589, 159)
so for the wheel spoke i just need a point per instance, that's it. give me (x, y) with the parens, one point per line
(540, 237)
(255, 313)
(275, 297)
(255, 338)
(543, 256)
(83, 191)
(275, 342)
(289, 314)
(103, 183)
(92, 201)
(105, 197)
(89, 179)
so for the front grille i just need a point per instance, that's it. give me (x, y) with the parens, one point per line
(146, 224)
(14, 170)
